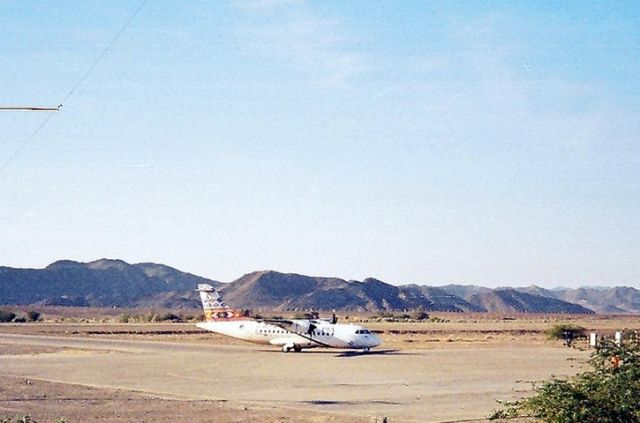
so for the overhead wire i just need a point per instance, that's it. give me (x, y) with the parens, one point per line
(29, 109)
(84, 76)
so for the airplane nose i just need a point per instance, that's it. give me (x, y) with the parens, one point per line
(375, 341)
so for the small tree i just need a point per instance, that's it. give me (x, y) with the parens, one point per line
(6, 316)
(169, 317)
(33, 315)
(419, 314)
(563, 331)
(609, 393)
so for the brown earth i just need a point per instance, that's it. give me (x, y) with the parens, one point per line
(48, 401)
(443, 371)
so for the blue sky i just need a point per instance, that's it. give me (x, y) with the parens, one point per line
(417, 142)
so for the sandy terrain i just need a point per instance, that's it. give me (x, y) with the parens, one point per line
(451, 370)
(49, 401)
(205, 372)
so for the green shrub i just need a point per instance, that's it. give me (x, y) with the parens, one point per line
(563, 331)
(605, 394)
(125, 318)
(22, 419)
(6, 316)
(33, 315)
(169, 317)
(196, 317)
(419, 314)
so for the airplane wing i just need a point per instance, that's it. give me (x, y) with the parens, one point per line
(305, 327)
(302, 327)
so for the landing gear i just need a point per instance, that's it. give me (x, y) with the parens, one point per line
(288, 348)
(366, 349)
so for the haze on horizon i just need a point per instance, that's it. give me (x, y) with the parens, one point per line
(415, 142)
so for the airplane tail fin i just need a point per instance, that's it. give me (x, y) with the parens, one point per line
(213, 306)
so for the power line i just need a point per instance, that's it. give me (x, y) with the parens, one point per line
(29, 109)
(105, 50)
(84, 76)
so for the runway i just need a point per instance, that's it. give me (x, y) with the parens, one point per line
(434, 385)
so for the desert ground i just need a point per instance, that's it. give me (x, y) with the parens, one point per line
(453, 369)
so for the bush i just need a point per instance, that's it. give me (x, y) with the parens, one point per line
(168, 317)
(26, 419)
(6, 316)
(609, 393)
(33, 315)
(197, 318)
(565, 331)
(419, 314)
(125, 318)
(23, 419)
(20, 319)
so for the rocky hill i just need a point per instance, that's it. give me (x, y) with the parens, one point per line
(614, 300)
(512, 300)
(115, 283)
(100, 283)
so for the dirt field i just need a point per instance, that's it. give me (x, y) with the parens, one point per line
(424, 372)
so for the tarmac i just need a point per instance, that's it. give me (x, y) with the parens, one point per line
(431, 385)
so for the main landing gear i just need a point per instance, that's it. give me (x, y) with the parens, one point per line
(288, 348)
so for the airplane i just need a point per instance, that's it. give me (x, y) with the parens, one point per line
(289, 334)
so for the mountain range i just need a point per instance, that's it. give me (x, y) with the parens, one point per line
(115, 283)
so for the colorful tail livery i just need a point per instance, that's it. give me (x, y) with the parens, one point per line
(214, 308)
(289, 334)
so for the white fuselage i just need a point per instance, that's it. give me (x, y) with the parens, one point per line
(325, 334)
